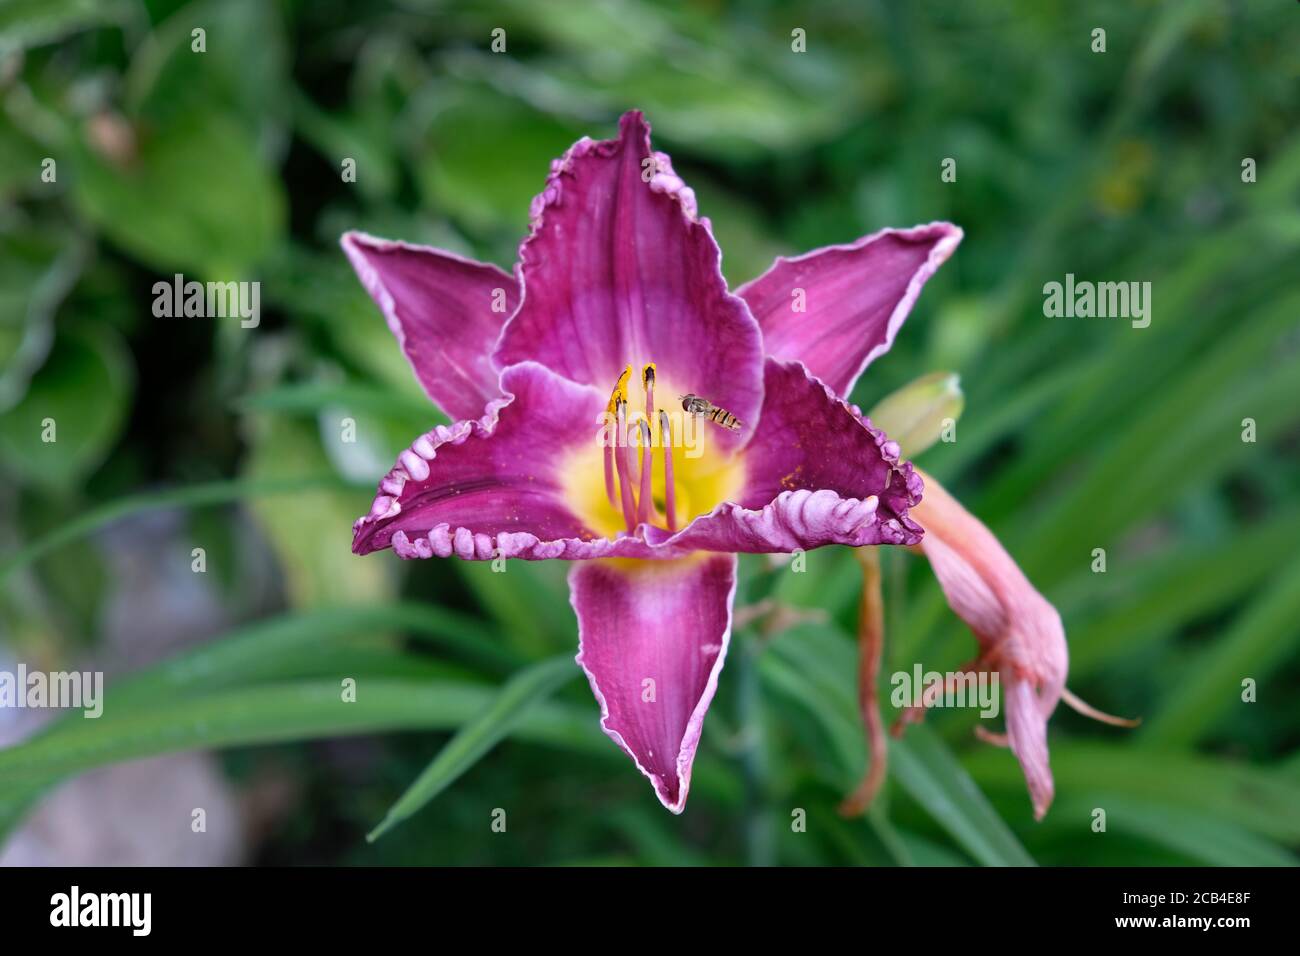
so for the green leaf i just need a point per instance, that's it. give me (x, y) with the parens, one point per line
(740, 98)
(1116, 381)
(1254, 798)
(79, 398)
(247, 81)
(920, 762)
(1009, 415)
(20, 167)
(383, 421)
(311, 398)
(311, 532)
(929, 772)
(275, 713)
(1197, 835)
(28, 23)
(1176, 587)
(1261, 638)
(473, 741)
(196, 197)
(286, 647)
(653, 833)
(211, 493)
(812, 669)
(339, 136)
(320, 290)
(37, 270)
(347, 639)
(1163, 448)
(528, 600)
(486, 156)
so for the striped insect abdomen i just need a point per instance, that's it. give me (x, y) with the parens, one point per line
(724, 418)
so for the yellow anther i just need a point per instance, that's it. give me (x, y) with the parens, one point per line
(620, 391)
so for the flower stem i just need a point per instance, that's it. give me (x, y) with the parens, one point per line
(871, 642)
(759, 836)
(760, 849)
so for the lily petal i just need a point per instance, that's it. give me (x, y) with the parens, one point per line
(855, 298)
(817, 473)
(446, 311)
(620, 270)
(652, 638)
(1019, 631)
(479, 488)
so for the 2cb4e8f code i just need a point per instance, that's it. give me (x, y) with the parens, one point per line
(1196, 898)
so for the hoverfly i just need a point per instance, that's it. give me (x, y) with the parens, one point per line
(698, 405)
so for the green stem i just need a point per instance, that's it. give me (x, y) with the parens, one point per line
(759, 842)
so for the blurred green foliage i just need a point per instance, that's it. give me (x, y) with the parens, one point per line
(1077, 434)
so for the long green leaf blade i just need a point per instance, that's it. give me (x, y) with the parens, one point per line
(210, 493)
(1261, 638)
(473, 741)
(929, 772)
(274, 714)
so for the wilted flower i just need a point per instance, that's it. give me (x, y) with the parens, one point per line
(1019, 632)
(562, 451)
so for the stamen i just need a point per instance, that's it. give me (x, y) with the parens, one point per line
(621, 458)
(617, 399)
(619, 395)
(645, 504)
(648, 379)
(666, 440)
(609, 470)
(632, 438)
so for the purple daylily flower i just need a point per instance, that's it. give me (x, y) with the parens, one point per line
(559, 451)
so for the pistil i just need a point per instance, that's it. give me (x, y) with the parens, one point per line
(646, 503)
(609, 469)
(666, 442)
